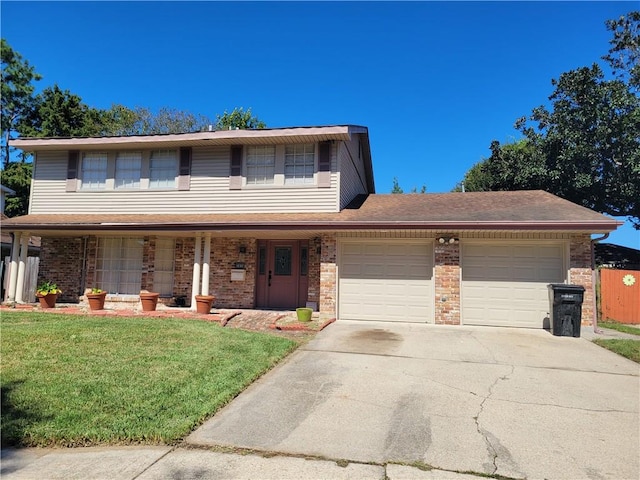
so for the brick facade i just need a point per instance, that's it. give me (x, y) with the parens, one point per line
(447, 283)
(580, 273)
(313, 292)
(328, 271)
(61, 263)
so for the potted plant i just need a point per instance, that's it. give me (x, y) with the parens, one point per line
(149, 301)
(204, 303)
(47, 293)
(96, 298)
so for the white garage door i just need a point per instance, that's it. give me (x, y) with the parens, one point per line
(506, 284)
(386, 280)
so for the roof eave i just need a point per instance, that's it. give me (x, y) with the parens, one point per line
(587, 227)
(219, 137)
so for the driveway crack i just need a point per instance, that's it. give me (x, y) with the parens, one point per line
(485, 435)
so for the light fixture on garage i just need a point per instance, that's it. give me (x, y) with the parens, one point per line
(449, 240)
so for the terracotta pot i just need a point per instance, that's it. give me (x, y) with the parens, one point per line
(96, 300)
(204, 303)
(149, 301)
(48, 300)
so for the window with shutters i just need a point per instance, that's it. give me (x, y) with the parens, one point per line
(261, 165)
(127, 173)
(293, 165)
(163, 166)
(299, 164)
(93, 171)
(167, 169)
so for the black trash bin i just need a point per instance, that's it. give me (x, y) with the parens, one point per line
(565, 309)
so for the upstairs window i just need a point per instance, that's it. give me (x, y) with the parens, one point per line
(128, 165)
(93, 171)
(261, 165)
(299, 164)
(163, 166)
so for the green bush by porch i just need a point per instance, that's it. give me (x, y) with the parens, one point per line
(73, 380)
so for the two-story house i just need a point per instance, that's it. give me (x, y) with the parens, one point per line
(279, 218)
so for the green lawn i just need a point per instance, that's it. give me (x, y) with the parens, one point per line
(626, 347)
(73, 380)
(621, 327)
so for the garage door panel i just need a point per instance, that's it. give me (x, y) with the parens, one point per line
(386, 281)
(509, 289)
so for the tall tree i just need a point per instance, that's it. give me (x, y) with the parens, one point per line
(17, 176)
(60, 113)
(586, 146)
(238, 119)
(16, 96)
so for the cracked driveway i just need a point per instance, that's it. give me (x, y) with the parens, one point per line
(512, 402)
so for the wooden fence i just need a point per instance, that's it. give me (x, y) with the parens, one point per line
(620, 295)
(30, 278)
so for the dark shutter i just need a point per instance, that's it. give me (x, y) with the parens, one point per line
(72, 171)
(184, 177)
(235, 179)
(324, 164)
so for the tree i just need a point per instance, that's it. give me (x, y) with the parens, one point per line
(586, 146)
(16, 96)
(238, 119)
(17, 176)
(397, 189)
(60, 113)
(396, 186)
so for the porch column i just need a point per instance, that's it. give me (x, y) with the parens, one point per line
(13, 269)
(195, 282)
(22, 266)
(206, 259)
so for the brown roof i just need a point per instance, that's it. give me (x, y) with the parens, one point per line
(522, 210)
(7, 240)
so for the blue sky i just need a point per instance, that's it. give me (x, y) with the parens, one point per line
(435, 82)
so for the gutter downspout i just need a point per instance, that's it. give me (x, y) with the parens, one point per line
(594, 279)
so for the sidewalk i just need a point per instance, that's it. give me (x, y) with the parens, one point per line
(606, 334)
(148, 463)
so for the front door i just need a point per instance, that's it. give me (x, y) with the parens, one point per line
(278, 282)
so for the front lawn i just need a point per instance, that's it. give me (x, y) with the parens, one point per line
(626, 347)
(74, 380)
(621, 327)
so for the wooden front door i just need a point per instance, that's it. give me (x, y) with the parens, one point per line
(279, 274)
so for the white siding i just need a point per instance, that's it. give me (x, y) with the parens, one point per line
(352, 175)
(209, 192)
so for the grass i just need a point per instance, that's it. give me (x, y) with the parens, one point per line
(621, 327)
(628, 348)
(71, 380)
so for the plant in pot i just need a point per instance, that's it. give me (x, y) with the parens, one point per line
(47, 293)
(204, 303)
(96, 298)
(149, 300)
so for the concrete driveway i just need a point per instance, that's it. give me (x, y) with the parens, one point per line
(512, 402)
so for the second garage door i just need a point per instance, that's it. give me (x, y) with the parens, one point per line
(386, 280)
(506, 284)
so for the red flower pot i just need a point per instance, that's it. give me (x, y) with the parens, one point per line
(149, 301)
(204, 303)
